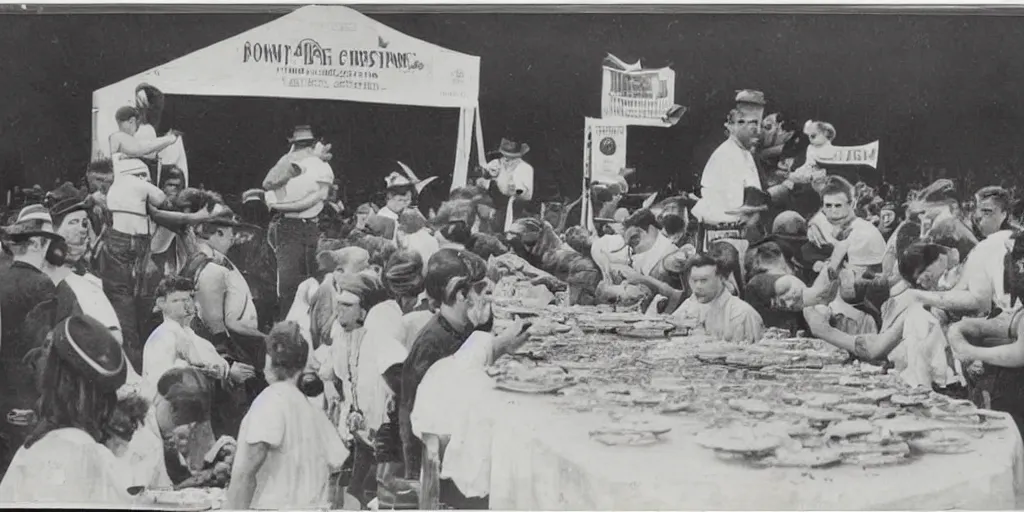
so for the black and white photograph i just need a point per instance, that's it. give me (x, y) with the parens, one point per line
(544, 256)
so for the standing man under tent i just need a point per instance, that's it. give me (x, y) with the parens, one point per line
(731, 169)
(124, 141)
(297, 187)
(511, 181)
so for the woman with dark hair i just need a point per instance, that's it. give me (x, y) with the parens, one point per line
(287, 449)
(63, 460)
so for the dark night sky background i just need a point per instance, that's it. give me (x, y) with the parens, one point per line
(941, 92)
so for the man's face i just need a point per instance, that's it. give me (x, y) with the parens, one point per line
(746, 127)
(172, 187)
(478, 304)
(928, 279)
(224, 238)
(350, 311)
(705, 283)
(636, 236)
(988, 216)
(888, 217)
(179, 306)
(130, 126)
(75, 230)
(399, 202)
(837, 207)
(99, 182)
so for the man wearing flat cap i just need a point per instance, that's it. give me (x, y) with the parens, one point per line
(731, 169)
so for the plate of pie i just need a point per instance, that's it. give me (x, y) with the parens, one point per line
(738, 439)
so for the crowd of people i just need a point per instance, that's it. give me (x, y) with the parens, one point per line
(296, 351)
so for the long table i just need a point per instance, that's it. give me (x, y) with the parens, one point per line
(542, 458)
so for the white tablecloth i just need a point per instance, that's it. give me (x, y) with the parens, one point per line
(543, 459)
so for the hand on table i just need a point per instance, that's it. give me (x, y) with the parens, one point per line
(817, 319)
(513, 336)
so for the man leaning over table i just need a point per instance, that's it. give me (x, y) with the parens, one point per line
(995, 341)
(711, 309)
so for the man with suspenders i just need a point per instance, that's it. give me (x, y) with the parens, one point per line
(228, 315)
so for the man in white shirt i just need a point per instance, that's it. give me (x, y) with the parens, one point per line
(297, 186)
(128, 273)
(511, 181)
(711, 309)
(643, 235)
(996, 341)
(732, 168)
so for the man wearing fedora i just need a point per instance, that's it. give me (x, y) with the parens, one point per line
(731, 169)
(228, 312)
(297, 188)
(38, 266)
(509, 181)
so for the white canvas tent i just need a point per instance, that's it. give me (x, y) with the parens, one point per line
(316, 52)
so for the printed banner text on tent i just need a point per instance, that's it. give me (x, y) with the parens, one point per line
(607, 148)
(851, 155)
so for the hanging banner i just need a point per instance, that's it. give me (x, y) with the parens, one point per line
(637, 96)
(315, 52)
(607, 148)
(849, 155)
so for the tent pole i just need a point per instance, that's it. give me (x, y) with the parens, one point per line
(481, 153)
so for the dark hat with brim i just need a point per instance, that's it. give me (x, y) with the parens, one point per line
(754, 200)
(227, 218)
(90, 348)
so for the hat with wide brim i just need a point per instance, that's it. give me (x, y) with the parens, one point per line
(751, 97)
(90, 348)
(754, 200)
(22, 227)
(225, 217)
(512, 149)
(302, 133)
